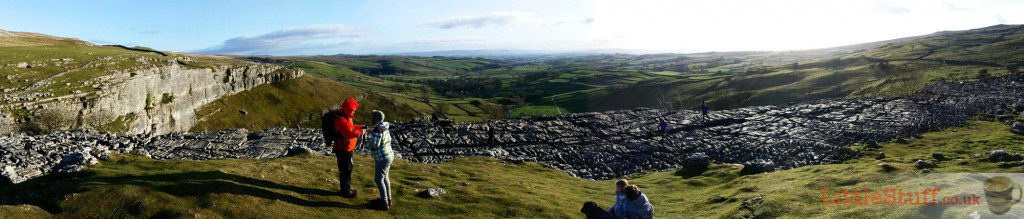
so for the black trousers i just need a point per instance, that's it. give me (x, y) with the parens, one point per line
(344, 170)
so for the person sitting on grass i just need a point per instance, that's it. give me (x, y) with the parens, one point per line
(619, 208)
(637, 207)
(380, 148)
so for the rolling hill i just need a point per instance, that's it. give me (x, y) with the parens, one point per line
(549, 84)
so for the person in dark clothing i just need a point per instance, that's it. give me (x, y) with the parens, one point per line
(344, 146)
(663, 127)
(704, 108)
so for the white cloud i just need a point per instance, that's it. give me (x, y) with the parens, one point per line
(293, 37)
(886, 7)
(445, 41)
(694, 26)
(100, 42)
(504, 18)
(104, 42)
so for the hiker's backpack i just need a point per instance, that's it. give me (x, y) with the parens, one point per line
(327, 127)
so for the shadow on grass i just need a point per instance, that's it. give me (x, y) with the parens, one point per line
(47, 192)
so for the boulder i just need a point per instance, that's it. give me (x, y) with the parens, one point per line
(881, 155)
(938, 156)
(997, 153)
(752, 203)
(696, 161)
(1002, 156)
(1018, 106)
(757, 167)
(1017, 128)
(74, 162)
(433, 192)
(8, 176)
(886, 167)
(922, 164)
(295, 150)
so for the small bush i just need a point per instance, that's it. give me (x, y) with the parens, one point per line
(167, 98)
(45, 121)
(149, 102)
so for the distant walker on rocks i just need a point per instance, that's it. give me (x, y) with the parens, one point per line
(704, 109)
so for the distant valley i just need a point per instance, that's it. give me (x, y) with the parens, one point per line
(67, 82)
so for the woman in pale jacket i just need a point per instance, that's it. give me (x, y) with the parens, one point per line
(637, 205)
(380, 149)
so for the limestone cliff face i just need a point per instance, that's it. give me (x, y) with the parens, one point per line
(156, 100)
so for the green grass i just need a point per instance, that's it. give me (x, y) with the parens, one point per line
(325, 70)
(77, 64)
(531, 110)
(285, 103)
(666, 73)
(303, 186)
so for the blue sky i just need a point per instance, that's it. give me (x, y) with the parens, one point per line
(382, 27)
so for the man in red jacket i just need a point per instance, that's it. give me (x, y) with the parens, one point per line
(344, 146)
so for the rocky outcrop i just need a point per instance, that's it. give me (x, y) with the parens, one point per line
(598, 145)
(155, 100)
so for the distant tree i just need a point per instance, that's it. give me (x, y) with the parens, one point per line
(834, 64)
(425, 94)
(441, 108)
(883, 68)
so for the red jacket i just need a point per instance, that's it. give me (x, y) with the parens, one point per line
(348, 131)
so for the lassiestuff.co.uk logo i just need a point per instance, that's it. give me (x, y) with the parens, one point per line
(894, 196)
(979, 195)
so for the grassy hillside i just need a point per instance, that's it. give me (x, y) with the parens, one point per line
(303, 186)
(405, 94)
(998, 44)
(26, 59)
(298, 101)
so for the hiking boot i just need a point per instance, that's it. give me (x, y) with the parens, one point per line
(379, 204)
(350, 194)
